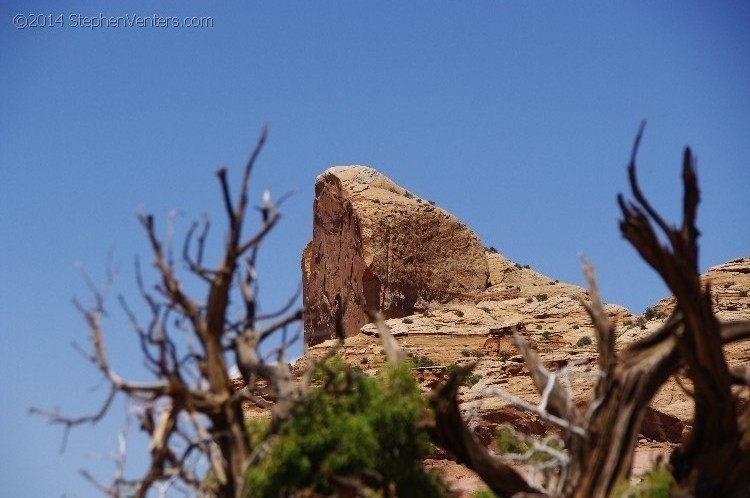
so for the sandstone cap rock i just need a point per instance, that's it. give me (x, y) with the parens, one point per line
(376, 245)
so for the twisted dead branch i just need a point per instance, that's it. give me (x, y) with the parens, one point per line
(191, 413)
(600, 438)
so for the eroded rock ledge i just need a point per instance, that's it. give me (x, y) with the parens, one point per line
(375, 245)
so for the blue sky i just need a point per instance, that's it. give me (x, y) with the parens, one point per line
(518, 117)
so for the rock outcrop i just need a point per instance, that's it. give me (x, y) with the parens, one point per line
(449, 302)
(377, 246)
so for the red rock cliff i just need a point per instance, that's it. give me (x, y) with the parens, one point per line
(375, 245)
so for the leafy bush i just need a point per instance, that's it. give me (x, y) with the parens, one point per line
(459, 313)
(453, 368)
(656, 483)
(546, 335)
(641, 322)
(472, 379)
(507, 441)
(584, 341)
(476, 353)
(484, 493)
(419, 361)
(541, 297)
(743, 293)
(652, 314)
(353, 425)
(529, 299)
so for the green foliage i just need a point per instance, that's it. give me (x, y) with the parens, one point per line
(491, 249)
(546, 335)
(656, 483)
(459, 313)
(584, 341)
(518, 265)
(576, 327)
(419, 361)
(627, 323)
(472, 379)
(641, 322)
(529, 299)
(652, 314)
(743, 293)
(353, 425)
(469, 380)
(541, 297)
(507, 441)
(452, 369)
(476, 353)
(484, 493)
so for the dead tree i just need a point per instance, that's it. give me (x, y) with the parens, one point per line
(600, 439)
(191, 412)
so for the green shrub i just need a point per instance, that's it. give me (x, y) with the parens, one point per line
(491, 249)
(459, 313)
(472, 379)
(576, 327)
(529, 299)
(518, 265)
(541, 297)
(422, 361)
(476, 353)
(641, 322)
(507, 441)
(656, 483)
(469, 380)
(484, 493)
(627, 323)
(743, 293)
(652, 314)
(584, 341)
(452, 369)
(546, 335)
(353, 425)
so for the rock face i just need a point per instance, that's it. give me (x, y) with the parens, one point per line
(449, 302)
(377, 246)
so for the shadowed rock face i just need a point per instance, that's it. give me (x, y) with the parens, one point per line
(377, 246)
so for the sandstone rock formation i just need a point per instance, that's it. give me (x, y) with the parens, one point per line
(356, 239)
(377, 246)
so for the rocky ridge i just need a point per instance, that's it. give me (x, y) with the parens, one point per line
(447, 301)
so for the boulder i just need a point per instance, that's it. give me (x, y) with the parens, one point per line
(377, 246)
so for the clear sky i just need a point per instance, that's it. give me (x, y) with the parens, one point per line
(516, 116)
